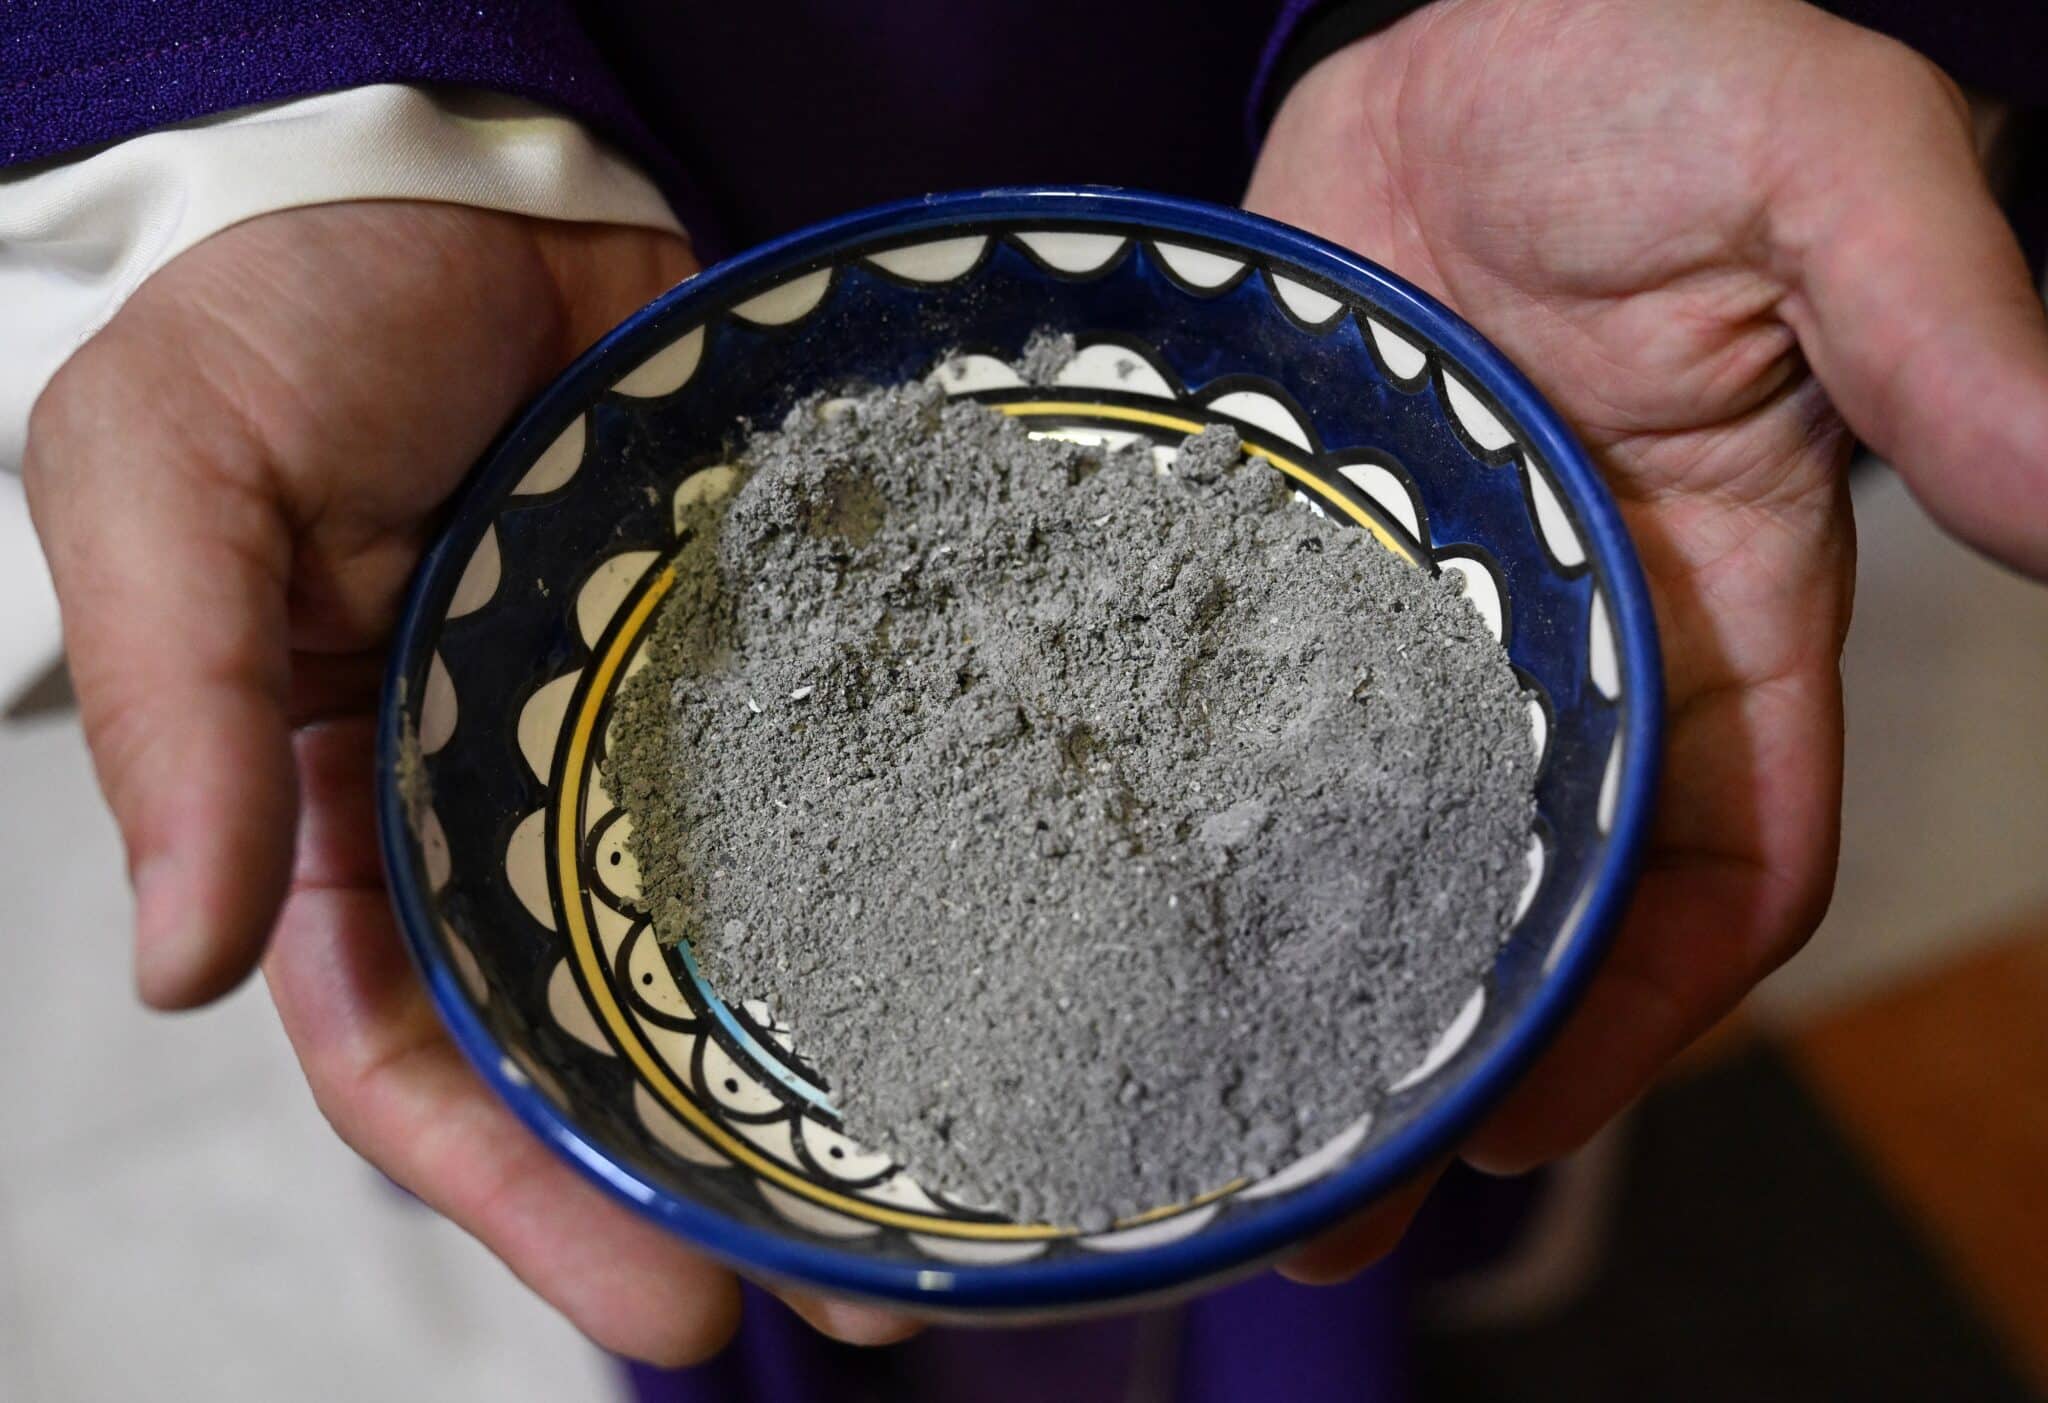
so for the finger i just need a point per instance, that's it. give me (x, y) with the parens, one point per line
(1352, 1246)
(1676, 970)
(1742, 866)
(1916, 310)
(172, 581)
(396, 1090)
(850, 1322)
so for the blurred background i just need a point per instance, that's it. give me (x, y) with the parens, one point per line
(1841, 1194)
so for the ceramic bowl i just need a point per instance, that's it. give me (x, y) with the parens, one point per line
(509, 866)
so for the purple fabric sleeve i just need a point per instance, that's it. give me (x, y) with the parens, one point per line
(77, 73)
(1289, 21)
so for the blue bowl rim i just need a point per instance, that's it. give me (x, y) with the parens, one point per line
(1237, 1244)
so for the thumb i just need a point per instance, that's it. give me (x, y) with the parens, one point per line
(1917, 312)
(170, 565)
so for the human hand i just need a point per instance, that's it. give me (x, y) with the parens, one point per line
(233, 481)
(1713, 234)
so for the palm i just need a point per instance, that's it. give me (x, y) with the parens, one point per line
(315, 384)
(379, 457)
(1624, 237)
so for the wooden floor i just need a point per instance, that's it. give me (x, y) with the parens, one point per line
(1943, 1081)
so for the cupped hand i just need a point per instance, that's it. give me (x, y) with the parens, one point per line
(1722, 237)
(233, 482)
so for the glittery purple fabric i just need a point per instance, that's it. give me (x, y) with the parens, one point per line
(76, 72)
(782, 112)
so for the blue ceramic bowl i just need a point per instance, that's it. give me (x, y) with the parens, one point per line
(509, 867)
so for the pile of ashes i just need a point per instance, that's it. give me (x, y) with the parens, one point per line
(1104, 834)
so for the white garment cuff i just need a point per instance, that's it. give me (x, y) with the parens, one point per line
(77, 237)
